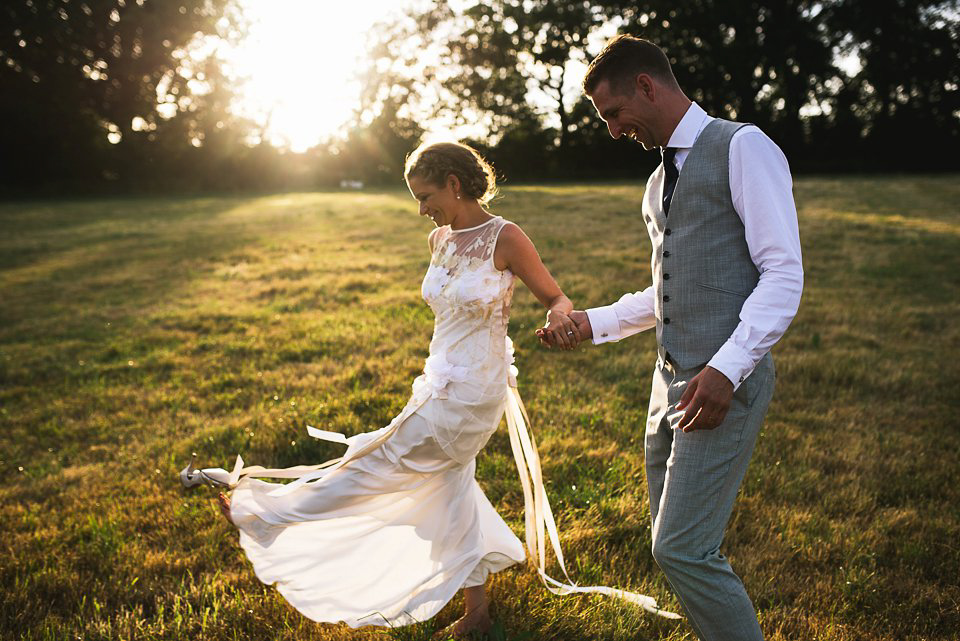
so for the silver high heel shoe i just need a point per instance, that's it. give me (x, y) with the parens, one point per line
(216, 477)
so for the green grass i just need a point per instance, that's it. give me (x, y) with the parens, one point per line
(134, 331)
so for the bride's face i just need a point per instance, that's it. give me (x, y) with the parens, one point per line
(440, 203)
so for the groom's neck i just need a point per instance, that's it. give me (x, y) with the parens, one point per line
(675, 107)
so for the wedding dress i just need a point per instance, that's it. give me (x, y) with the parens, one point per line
(387, 534)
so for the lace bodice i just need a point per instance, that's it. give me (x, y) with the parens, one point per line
(470, 298)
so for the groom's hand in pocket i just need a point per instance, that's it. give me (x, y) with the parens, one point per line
(705, 401)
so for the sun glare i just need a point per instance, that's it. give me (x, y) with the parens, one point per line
(296, 66)
(294, 70)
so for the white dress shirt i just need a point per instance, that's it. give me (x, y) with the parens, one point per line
(762, 193)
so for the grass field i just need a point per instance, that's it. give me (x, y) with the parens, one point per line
(134, 331)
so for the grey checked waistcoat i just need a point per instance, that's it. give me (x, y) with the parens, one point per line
(702, 271)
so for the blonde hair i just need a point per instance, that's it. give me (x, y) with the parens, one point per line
(435, 161)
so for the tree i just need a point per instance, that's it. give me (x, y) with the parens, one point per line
(81, 83)
(507, 62)
(512, 47)
(907, 94)
(751, 61)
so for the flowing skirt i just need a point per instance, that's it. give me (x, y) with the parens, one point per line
(388, 534)
(387, 539)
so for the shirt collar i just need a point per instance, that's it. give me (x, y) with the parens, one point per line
(689, 127)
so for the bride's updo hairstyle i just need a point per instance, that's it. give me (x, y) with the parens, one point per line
(434, 162)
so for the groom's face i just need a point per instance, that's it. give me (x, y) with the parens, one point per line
(626, 114)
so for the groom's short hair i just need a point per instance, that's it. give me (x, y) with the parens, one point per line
(622, 59)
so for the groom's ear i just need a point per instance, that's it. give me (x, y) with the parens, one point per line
(645, 86)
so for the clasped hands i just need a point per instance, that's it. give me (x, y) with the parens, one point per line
(565, 331)
(704, 403)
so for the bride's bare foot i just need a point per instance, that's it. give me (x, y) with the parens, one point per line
(474, 622)
(224, 502)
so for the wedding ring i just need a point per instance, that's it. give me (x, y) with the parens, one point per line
(569, 333)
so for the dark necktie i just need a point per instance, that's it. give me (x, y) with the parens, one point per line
(672, 174)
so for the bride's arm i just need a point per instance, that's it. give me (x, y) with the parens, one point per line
(515, 251)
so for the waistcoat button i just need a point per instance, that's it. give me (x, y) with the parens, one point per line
(666, 253)
(666, 277)
(666, 321)
(667, 232)
(666, 298)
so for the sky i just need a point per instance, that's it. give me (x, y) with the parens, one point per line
(294, 67)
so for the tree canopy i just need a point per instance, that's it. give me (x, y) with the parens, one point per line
(130, 94)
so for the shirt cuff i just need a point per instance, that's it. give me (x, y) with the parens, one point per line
(734, 362)
(604, 324)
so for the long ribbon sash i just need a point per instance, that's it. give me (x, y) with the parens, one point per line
(539, 517)
(306, 473)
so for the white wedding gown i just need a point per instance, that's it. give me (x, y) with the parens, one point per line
(390, 532)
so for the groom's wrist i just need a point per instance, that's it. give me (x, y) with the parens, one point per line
(733, 362)
(580, 317)
(604, 324)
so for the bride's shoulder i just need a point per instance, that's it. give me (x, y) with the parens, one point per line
(504, 226)
(513, 247)
(509, 230)
(510, 236)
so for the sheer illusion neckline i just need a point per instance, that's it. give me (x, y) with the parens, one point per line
(486, 222)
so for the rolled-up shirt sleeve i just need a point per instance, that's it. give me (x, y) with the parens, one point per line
(631, 314)
(762, 192)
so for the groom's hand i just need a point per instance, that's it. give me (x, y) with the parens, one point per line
(705, 401)
(583, 324)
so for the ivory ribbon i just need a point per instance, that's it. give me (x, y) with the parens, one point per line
(539, 517)
(306, 473)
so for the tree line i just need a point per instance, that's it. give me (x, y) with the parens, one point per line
(104, 95)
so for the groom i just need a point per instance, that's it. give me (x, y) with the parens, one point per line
(727, 278)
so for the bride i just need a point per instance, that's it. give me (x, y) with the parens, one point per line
(387, 534)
